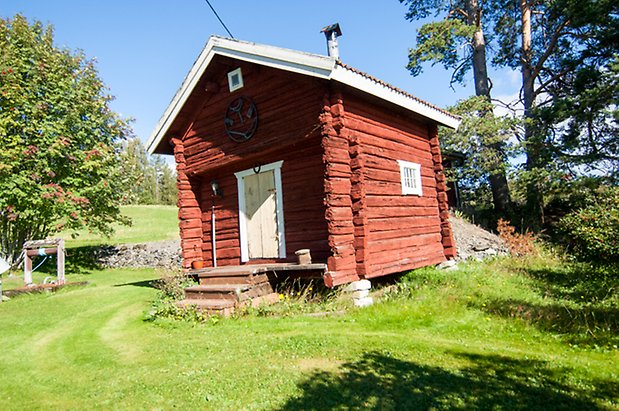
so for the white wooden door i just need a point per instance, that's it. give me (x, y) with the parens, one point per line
(261, 215)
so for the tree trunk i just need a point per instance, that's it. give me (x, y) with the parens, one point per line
(498, 180)
(533, 145)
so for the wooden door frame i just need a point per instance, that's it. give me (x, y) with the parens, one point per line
(276, 167)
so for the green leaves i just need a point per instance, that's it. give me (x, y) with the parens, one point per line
(152, 180)
(58, 163)
(593, 230)
(442, 42)
(568, 55)
(479, 135)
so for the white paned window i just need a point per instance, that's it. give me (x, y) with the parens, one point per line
(410, 175)
(235, 79)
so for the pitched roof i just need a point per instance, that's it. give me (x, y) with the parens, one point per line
(308, 64)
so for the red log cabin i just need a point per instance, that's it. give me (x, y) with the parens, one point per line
(279, 150)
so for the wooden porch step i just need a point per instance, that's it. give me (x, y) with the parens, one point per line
(233, 279)
(233, 292)
(239, 270)
(219, 288)
(230, 292)
(222, 289)
(232, 275)
(254, 273)
(229, 271)
(210, 307)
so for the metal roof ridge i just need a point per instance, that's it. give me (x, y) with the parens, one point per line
(396, 89)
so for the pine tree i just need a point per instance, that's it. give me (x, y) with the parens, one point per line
(439, 41)
(567, 52)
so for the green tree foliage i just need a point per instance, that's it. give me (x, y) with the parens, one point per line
(463, 28)
(134, 162)
(581, 126)
(479, 133)
(59, 158)
(441, 41)
(167, 191)
(592, 231)
(153, 181)
(567, 52)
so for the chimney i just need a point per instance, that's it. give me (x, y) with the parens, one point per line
(332, 32)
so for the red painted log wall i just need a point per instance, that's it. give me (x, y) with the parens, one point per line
(288, 106)
(189, 213)
(304, 222)
(393, 232)
(342, 265)
(340, 177)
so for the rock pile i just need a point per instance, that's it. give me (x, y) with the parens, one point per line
(474, 242)
(160, 254)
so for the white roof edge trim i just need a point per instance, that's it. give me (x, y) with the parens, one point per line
(360, 82)
(181, 95)
(289, 60)
(299, 66)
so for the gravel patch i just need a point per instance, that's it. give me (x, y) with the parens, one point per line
(159, 254)
(473, 242)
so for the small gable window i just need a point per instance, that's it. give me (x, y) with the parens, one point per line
(235, 79)
(410, 175)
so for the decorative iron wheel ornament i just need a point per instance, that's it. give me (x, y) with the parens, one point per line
(241, 119)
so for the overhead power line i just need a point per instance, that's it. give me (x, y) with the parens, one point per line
(219, 18)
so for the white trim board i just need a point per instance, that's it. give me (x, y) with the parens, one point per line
(309, 64)
(276, 167)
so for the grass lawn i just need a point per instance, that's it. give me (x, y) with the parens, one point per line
(476, 338)
(149, 223)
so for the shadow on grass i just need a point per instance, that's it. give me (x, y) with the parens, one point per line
(583, 324)
(579, 281)
(581, 303)
(78, 260)
(380, 382)
(145, 284)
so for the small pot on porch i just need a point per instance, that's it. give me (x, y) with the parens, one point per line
(303, 256)
(197, 264)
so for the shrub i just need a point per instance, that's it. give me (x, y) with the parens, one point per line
(518, 244)
(171, 289)
(592, 231)
(171, 286)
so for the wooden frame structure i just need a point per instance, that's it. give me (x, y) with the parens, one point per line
(44, 248)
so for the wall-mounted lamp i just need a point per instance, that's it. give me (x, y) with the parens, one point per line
(217, 191)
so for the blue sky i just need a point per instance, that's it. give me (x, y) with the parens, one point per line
(144, 49)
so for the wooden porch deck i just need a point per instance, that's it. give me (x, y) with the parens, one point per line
(249, 269)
